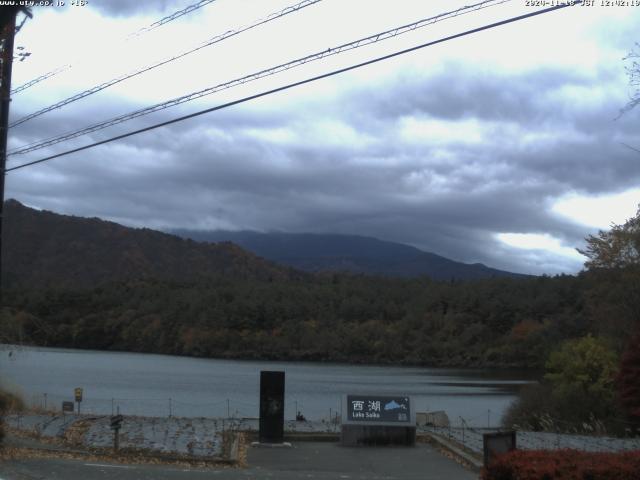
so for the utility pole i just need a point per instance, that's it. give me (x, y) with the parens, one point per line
(8, 32)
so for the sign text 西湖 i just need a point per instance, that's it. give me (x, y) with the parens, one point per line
(374, 408)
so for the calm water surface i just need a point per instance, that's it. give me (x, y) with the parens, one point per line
(159, 385)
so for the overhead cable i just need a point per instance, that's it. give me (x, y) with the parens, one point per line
(170, 18)
(299, 83)
(40, 79)
(378, 37)
(121, 78)
(132, 35)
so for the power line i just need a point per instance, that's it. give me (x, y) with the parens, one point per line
(121, 78)
(170, 18)
(131, 36)
(40, 79)
(630, 147)
(301, 82)
(378, 37)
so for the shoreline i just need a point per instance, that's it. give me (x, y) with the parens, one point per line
(532, 371)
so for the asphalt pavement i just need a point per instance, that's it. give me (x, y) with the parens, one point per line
(305, 460)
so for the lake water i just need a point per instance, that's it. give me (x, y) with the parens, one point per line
(159, 385)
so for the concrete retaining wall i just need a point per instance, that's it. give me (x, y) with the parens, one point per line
(356, 435)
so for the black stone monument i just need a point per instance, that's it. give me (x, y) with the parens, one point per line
(271, 407)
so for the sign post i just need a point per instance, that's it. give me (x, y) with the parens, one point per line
(78, 396)
(116, 423)
(378, 420)
(67, 407)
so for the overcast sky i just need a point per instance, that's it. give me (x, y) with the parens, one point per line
(501, 147)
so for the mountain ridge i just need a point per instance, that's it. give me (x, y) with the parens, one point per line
(358, 254)
(43, 248)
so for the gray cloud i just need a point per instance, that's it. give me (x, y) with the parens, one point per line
(121, 8)
(225, 171)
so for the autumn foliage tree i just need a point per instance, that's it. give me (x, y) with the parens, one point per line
(582, 374)
(615, 248)
(3, 405)
(633, 72)
(580, 383)
(613, 300)
(577, 391)
(628, 381)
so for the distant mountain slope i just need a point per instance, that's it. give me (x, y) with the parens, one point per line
(44, 248)
(348, 253)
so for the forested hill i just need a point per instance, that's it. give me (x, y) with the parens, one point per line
(348, 253)
(340, 318)
(87, 283)
(42, 248)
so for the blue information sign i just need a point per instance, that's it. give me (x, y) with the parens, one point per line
(374, 408)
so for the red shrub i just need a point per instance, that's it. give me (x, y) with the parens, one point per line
(628, 379)
(564, 465)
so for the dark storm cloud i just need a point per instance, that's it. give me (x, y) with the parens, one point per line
(587, 141)
(524, 97)
(230, 169)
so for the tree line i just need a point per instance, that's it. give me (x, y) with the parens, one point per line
(342, 318)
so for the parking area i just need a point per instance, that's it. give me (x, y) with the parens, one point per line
(329, 460)
(304, 460)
